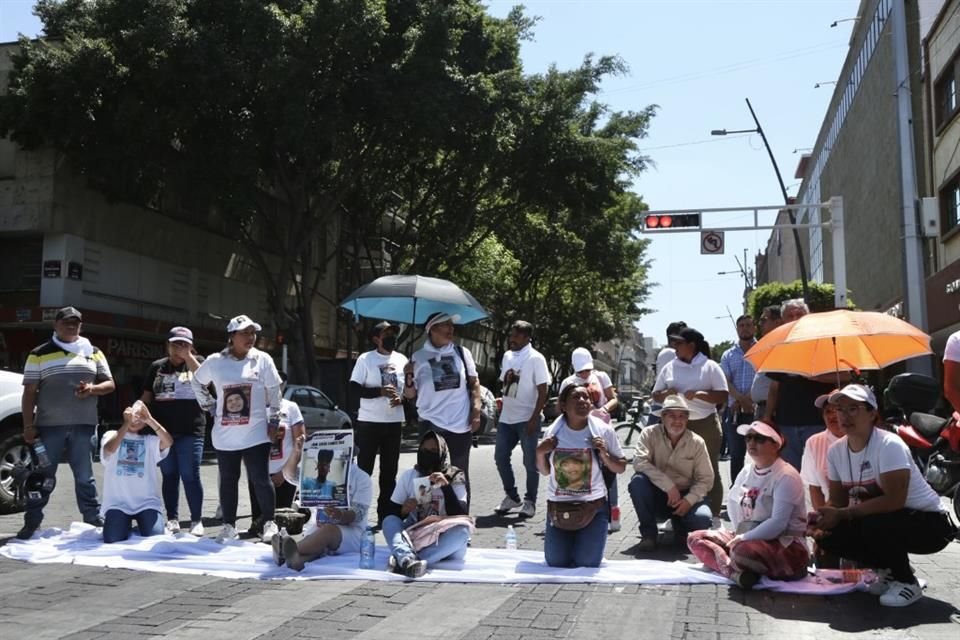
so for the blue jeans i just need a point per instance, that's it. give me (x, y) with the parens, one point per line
(796, 440)
(736, 444)
(508, 435)
(650, 503)
(75, 439)
(183, 463)
(117, 525)
(451, 545)
(580, 548)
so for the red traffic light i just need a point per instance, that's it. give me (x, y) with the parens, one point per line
(672, 222)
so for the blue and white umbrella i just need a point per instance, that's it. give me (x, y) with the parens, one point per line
(411, 299)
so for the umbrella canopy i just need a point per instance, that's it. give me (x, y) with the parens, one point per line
(410, 299)
(820, 343)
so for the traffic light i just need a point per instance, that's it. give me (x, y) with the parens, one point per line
(664, 221)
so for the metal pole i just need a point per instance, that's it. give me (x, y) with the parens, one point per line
(916, 311)
(839, 253)
(801, 260)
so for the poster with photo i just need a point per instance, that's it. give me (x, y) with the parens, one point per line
(325, 469)
(132, 457)
(573, 469)
(237, 400)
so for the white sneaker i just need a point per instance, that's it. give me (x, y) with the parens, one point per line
(270, 529)
(173, 527)
(901, 594)
(196, 529)
(227, 534)
(613, 526)
(507, 504)
(529, 509)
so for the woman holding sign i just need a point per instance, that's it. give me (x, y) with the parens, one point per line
(433, 525)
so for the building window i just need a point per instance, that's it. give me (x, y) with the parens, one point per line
(945, 93)
(950, 205)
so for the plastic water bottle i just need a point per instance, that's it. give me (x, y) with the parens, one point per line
(40, 449)
(368, 550)
(511, 539)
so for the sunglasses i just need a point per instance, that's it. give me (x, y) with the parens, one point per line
(756, 437)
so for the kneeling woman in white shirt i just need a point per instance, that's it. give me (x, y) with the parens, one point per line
(131, 482)
(573, 454)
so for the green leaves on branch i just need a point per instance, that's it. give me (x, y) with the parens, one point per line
(775, 293)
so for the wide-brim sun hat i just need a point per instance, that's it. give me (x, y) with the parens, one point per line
(673, 402)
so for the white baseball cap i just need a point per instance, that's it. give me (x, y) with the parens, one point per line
(822, 399)
(581, 359)
(242, 322)
(857, 392)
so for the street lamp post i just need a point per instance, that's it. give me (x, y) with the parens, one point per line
(783, 189)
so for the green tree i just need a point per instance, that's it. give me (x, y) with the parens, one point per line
(716, 350)
(775, 293)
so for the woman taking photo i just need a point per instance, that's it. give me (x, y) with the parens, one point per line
(433, 524)
(574, 454)
(879, 507)
(768, 511)
(248, 395)
(703, 384)
(169, 394)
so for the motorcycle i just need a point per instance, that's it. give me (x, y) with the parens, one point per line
(934, 442)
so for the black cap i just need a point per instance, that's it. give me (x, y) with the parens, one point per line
(68, 312)
(687, 334)
(380, 327)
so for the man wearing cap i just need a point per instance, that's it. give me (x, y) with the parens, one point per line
(442, 376)
(525, 377)
(378, 379)
(168, 392)
(673, 476)
(62, 379)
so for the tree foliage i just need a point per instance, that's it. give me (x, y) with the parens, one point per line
(716, 350)
(775, 293)
(293, 119)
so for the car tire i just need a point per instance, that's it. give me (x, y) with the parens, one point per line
(13, 449)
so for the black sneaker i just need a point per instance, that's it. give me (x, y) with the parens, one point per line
(27, 531)
(415, 568)
(746, 579)
(96, 522)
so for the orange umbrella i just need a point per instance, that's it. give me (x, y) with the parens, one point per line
(820, 343)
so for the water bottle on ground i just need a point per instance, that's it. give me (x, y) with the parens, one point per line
(40, 450)
(511, 539)
(368, 550)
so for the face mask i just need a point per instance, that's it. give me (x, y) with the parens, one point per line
(428, 461)
(388, 343)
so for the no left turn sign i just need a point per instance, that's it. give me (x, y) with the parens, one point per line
(711, 243)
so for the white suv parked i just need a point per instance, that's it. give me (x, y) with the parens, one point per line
(12, 447)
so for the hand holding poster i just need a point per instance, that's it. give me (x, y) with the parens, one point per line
(324, 469)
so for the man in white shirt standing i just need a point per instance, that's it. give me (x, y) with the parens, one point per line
(378, 379)
(525, 378)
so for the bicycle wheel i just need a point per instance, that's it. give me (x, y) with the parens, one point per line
(627, 434)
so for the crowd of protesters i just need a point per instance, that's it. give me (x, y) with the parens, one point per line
(808, 458)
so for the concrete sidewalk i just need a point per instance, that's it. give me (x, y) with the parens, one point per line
(66, 601)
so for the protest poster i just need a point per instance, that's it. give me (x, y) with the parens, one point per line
(325, 469)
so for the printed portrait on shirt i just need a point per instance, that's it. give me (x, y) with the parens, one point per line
(388, 376)
(132, 458)
(236, 404)
(511, 382)
(573, 470)
(445, 373)
(749, 502)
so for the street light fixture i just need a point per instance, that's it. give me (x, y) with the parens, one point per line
(783, 189)
(824, 83)
(836, 22)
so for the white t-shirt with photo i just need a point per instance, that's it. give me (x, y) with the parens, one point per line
(860, 471)
(360, 491)
(700, 374)
(813, 465)
(243, 387)
(529, 370)
(290, 416)
(435, 505)
(131, 480)
(575, 473)
(441, 379)
(373, 369)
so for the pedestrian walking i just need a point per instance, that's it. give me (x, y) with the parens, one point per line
(525, 378)
(378, 379)
(248, 396)
(168, 393)
(62, 380)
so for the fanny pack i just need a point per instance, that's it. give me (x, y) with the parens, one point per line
(572, 516)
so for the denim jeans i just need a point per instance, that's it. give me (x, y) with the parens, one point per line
(75, 439)
(117, 525)
(650, 503)
(183, 464)
(451, 545)
(256, 460)
(508, 435)
(797, 437)
(736, 444)
(459, 445)
(581, 548)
